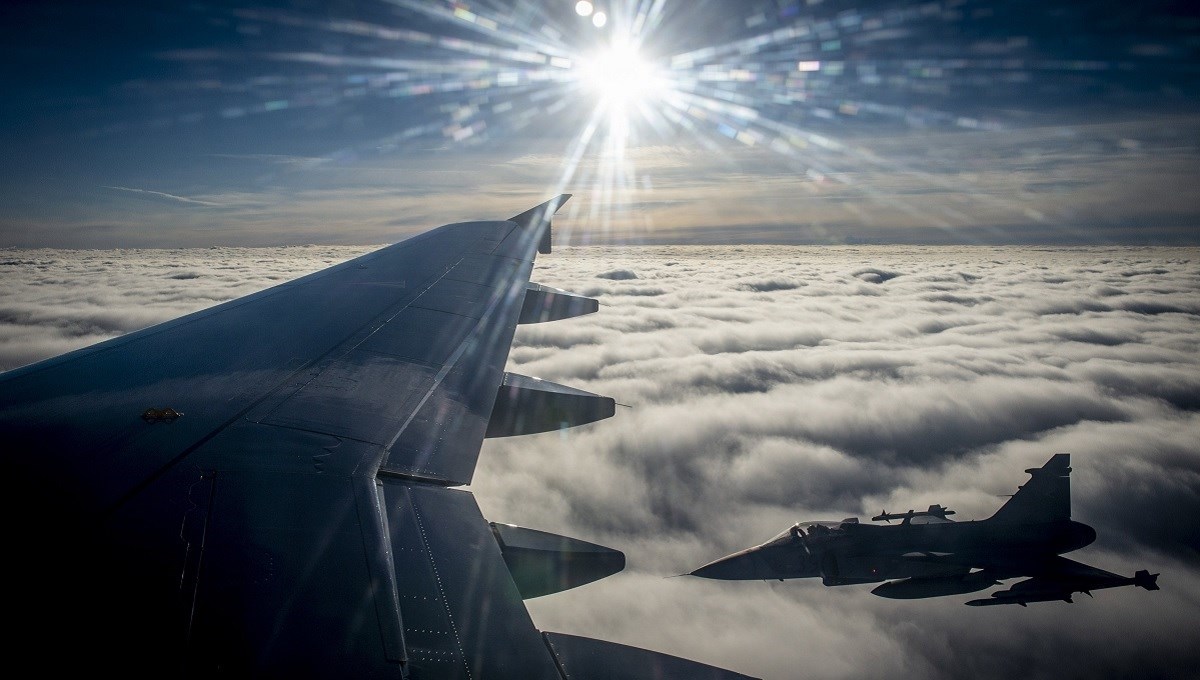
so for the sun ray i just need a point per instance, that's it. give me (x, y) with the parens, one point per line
(790, 83)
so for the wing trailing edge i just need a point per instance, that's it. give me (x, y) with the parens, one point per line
(581, 658)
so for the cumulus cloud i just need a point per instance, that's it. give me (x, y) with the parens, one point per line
(873, 275)
(770, 385)
(768, 285)
(785, 384)
(617, 275)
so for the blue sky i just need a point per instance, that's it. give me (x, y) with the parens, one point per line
(169, 124)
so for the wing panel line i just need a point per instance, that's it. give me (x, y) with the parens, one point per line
(437, 576)
(451, 363)
(378, 548)
(105, 514)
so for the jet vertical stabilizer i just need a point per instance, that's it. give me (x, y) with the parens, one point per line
(1044, 498)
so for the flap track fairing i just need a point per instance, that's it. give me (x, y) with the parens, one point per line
(543, 303)
(581, 658)
(527, 405)
(542, 563)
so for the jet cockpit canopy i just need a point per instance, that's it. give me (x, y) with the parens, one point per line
(810, 530)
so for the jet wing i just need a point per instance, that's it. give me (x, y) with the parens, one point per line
(261, 488)
(1060, 578)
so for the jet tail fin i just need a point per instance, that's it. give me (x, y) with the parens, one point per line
(1046, 497)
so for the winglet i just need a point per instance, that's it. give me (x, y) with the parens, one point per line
(540, 215)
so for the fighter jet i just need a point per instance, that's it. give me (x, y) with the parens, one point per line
(929, 555)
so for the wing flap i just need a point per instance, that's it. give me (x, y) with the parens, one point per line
(442, 441)
(285, 586)
(463, 615)
(582, 658)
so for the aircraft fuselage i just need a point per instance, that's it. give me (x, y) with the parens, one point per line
(927, 555)
(864, 553)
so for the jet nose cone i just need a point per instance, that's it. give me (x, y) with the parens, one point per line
(742, 566)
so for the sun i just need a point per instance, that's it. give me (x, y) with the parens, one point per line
(619, 76)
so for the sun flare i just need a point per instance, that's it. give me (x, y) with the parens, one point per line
(619, 76)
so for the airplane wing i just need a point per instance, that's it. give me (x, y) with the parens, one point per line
(1060, 578)
(265, 487)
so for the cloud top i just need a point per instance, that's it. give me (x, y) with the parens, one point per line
(770, 385)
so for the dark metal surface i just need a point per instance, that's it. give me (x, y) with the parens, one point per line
(542, 563)
(583, 658)
(543, 303)
(298, 355)
(463, 616)
(527, 405)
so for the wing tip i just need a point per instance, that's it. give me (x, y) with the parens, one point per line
(542, 211)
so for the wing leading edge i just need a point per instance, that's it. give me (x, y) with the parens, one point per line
(291, 516)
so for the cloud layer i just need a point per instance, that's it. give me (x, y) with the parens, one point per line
(769, 385)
